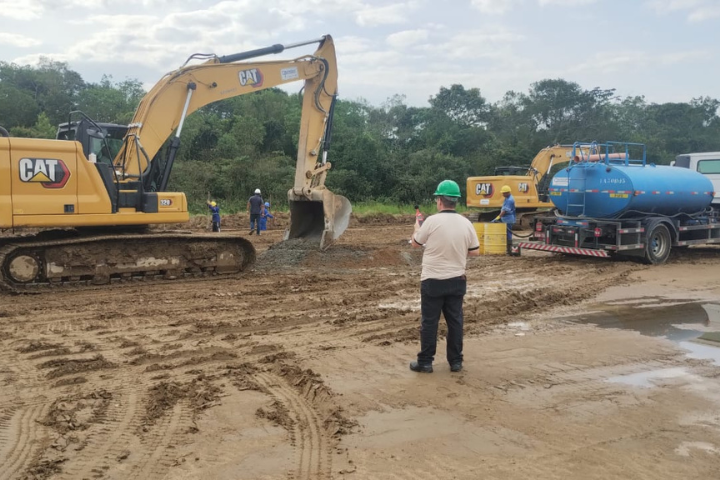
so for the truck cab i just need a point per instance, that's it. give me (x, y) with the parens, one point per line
(707, 163)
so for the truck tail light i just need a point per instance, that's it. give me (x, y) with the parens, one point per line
(538, 227)
(598, 232)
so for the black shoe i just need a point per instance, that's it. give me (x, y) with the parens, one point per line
(456, 367)
(417, 367)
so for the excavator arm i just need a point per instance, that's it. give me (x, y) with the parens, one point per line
(543, 163)
(315, 211)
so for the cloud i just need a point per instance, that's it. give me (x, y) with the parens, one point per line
(350, 45)
(163, 41)
(34, 58)
(386, 15)
(566, 3)
(406, 38)
(477, 43)
(704, 13)
(667, 6)
(28, 11)
(499, 7)
(493, 7)
(18, 40)
(613, 62)
(697, 10)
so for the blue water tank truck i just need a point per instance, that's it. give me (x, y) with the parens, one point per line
(609, 201)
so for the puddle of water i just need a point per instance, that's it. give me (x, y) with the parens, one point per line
(676, 322)
(702, 351)
(693, 326)
(409, 305)
(524, 326)
(684, 450)
(648, 379)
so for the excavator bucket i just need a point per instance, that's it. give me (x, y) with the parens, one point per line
(321, 216)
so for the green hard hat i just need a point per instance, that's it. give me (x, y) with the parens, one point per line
(448, 188)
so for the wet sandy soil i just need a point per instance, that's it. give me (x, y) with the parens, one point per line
(298, 370)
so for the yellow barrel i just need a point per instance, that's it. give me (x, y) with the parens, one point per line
(493, 238)
(480, 230)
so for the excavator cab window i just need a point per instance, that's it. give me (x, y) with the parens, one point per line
(105, 147)
(104, 143)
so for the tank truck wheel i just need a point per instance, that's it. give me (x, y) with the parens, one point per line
(658, 243)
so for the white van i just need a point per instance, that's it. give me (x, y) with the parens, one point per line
(708, 164)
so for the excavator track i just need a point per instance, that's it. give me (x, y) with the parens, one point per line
(29, 264)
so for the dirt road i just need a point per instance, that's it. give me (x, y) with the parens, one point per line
(298, 370)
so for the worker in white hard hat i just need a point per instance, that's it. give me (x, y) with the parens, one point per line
(215, 211)
(255, 208)
(507, 215)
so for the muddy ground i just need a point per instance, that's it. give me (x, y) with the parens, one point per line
(298, 370)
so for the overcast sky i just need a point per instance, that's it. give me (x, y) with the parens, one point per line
(666, 50)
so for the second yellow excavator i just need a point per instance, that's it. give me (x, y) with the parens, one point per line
(98, 192)
(528, 185)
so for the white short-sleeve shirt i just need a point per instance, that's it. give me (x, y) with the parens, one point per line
(447, 237)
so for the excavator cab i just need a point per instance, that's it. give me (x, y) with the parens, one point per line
(102, 139)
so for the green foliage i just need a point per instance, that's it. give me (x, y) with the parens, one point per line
(384, 159)
(110, 102)
(42, 129)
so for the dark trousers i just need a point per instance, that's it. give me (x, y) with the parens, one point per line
(444, 296)
(255, 222)
(215, 226)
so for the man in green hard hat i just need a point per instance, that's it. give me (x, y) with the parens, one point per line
(448, 239)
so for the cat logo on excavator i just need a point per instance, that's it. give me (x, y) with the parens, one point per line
(48, 172)
(252, 77)
(484, 189)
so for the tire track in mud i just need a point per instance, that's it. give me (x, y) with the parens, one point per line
(24, 404)
(311, 442)
(20, 440)
(153, 463)
(120, 425)
(106, 443)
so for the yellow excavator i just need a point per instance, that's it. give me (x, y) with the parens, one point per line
(93, 197)
(528, 185)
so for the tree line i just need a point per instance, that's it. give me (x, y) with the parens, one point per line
(391, 153)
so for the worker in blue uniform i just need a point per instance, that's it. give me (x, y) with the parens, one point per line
(507, 215)
(264, 216)
(215, 211)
